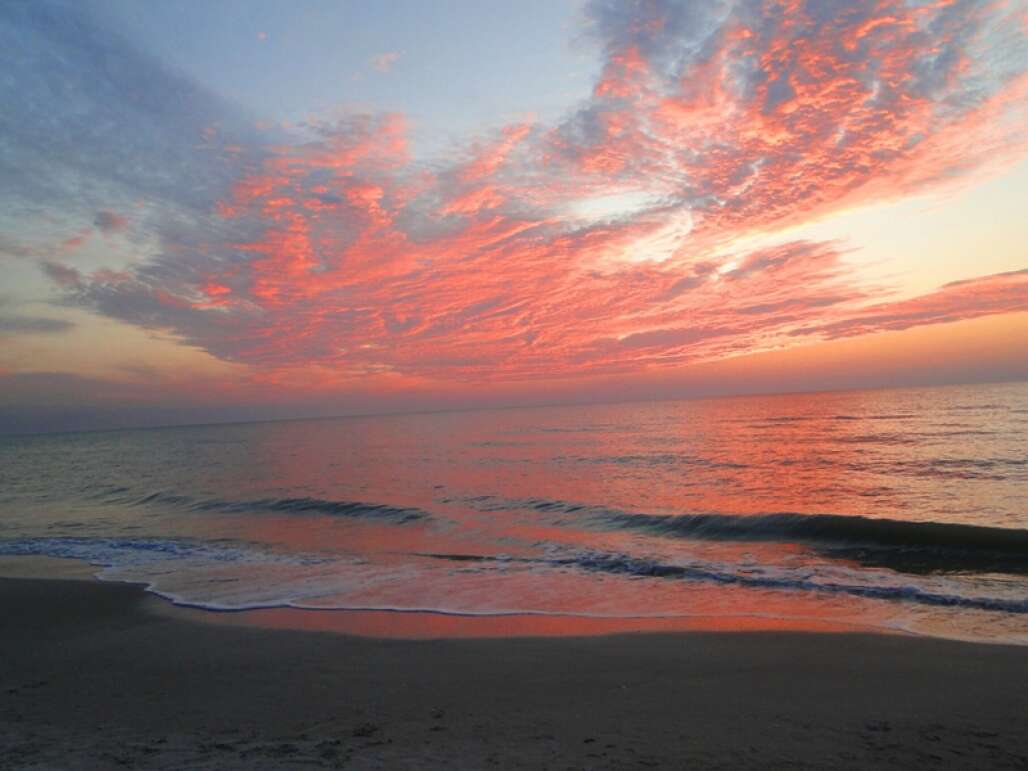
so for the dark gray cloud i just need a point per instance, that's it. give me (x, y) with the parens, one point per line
(33, 325)
(64, 276)
(108, 221)
(85, 114)
(11, 247)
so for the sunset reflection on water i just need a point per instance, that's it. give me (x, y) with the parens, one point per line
(735, 513)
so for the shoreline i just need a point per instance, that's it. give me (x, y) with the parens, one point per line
(402, 624)
(93, 675)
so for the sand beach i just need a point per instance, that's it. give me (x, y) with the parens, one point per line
(102, 676)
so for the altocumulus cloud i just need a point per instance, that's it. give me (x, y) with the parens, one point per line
(337, 252)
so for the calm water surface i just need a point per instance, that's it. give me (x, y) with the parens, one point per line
(901, 509)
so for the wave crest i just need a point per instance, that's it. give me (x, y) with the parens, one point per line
(304, 505)
(904, 545)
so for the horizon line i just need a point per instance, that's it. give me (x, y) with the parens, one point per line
(541, 405)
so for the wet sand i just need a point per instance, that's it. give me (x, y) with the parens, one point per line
(99, 676)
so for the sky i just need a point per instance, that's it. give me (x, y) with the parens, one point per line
(255, 209)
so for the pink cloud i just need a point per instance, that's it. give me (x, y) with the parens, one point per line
(786, 115)
(956, 301)
(357, 262)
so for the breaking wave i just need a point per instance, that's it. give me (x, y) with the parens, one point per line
(228, 575)
(905, 545)
(620, 564)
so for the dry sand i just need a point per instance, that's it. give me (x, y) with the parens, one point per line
(92, 678)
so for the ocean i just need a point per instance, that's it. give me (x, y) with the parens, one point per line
(896, 509)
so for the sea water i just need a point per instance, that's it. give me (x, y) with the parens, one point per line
(897, 509)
